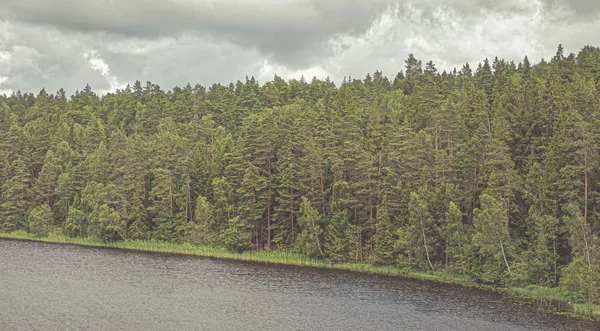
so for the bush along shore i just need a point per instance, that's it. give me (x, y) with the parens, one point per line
(556, 300)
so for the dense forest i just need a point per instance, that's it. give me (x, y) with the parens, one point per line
(490, 172)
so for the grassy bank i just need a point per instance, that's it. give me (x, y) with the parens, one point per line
(551, 299)
(273, 257)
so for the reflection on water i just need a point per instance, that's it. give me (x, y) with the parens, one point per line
(58, 287)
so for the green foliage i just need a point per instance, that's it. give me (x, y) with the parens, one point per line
(40, 220)
(385, 238)
(309, 240)
(336, 241)
(16, 193)
(489, 173)
(457, 237)
(582, 279)
(204, 226)
(236, 235)
(491, 240)
(420, 233)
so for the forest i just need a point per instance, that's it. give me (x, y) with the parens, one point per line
(491, 172)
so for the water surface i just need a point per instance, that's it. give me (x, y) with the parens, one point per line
(63, 287)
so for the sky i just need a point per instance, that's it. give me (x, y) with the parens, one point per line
(111, 43)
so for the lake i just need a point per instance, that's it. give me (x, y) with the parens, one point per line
(64, 287)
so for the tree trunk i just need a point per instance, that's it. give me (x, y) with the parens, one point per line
(504, 256)
(446, 261)
(587, 249)
(257, 238)
(66, 211)
(555, 267)
(508, 204)
(269, 207)
(371, 223)
(317, 236)
(585, 182)
(322, 188)
(436, 136)
(191, 218)
(292, 207)
(171, 198)
(425, 243)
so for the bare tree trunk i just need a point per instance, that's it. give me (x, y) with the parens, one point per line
(171, 198)
(504, 256)
(555, 267)
(371, 223)
(587, 249)
(585, 182)
(322, 187)
(269, 207)
(292, 206)
(269, 225)
(190, 200)
(425, 243)
(585, 200)
(508, 204)
(66, 211)
(317, 236)
(446, 262)
(257, 238)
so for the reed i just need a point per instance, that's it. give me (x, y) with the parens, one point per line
(587, 310)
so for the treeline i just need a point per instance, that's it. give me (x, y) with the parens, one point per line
(489, 172)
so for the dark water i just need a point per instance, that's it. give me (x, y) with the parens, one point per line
(57, 287)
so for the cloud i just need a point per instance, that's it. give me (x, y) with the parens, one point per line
(97, 64)
(289, 30)
(37, 58)
(266, 71)
(451, 33)
(2, 91)
(581, 8)
(110, 43)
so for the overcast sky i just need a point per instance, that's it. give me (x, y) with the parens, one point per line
(110, 43)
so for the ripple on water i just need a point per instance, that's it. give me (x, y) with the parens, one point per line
(60, 287)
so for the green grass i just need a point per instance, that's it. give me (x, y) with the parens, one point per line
(266, 256)
(552, 299)
(543, 293)
(556, 299)
(547, 298)
(587, 310)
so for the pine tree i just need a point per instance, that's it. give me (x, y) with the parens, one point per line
(421, 225)
(40, 220)
(16, 194)
(336, 240)
(205, 228)
(385, 237)
(491, 240)
(310, 230)
(237, 235)
(456, 238)
(139, 227)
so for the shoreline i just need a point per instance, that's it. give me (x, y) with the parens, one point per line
(543, 298)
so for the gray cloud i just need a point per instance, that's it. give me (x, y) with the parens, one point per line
(36, 58)
(289, 30)
(581, 7)
(111, 43)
